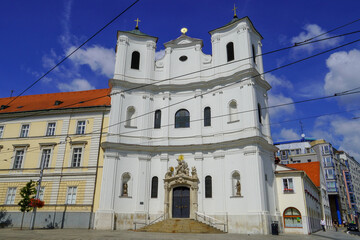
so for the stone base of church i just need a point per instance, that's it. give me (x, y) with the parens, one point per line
(104, 220)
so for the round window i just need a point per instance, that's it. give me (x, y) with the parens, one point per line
(183, 58)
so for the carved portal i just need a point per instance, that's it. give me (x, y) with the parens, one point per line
(180, 177)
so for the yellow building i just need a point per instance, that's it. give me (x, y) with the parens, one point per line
(64, 131)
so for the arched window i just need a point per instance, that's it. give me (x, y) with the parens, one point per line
(130, 117)
(157, 120)
(154, 187)
(182, 119)
(125, 184)
(207, 116)
(135, 60)
(253, 53)
(233, 115)
(236, 185)
(292, 218)
(259, 113)
(230, 51)
(208, 187)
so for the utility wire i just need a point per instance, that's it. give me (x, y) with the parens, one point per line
(322, 34)
(75, 50)
(183, 75)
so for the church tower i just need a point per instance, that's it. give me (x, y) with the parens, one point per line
(189, 130)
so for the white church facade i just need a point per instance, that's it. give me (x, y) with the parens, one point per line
(189, 134)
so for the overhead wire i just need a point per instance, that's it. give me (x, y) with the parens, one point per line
(179, 76)
(75, 50)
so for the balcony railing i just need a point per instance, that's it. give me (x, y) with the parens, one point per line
(288, 190)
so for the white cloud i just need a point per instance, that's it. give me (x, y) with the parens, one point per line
(288, 134)
(98, 58)
(339, 131)
(312, 30)
(280, 112)
(159, 55)
(277, 82)
(343, 75)
(75, 85)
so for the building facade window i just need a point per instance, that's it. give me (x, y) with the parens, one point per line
(253, 54)
(157, 120)
(76, 157)
(288, 186)
(331, 186)
(125, 184)
(182, 119)
(233, 112)
(19, 158)
(24, 132)
(230, 51)
(154, 187)
(135, 60)
(259, 113)
(80, 127)
(45, 158)
(130, 117)
(208, 187)
(292, 218)
(42, 193)
(71, 195)
(330, 173)
(207, 116)
(326, 149)
(10, 196)
(327, 161)
(1, 131)
(50, 131)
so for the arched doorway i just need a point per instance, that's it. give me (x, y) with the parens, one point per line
(181, 202)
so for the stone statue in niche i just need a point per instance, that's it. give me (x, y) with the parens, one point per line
(125, 189)
(193, 172)
(238, 188)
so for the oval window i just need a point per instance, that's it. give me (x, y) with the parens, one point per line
(183, 58)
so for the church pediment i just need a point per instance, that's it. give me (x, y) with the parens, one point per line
(184, 41)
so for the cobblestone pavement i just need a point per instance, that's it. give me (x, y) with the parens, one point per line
(55, 234)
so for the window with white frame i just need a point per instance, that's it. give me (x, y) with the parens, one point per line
(80, 128)
(24, 132)
(45, 157)
(1, 131)
(18, 158)
(330, 173)
(71, 195)
(327, 161)
(10, 196)
(76, 157)
(331, 186)
(326, 149)
(288, 185)
(41, 193)
(50, 131)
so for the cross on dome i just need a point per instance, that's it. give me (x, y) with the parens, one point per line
(137, 23)
(234, 9)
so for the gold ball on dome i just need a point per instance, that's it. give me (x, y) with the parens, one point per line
(184, 30)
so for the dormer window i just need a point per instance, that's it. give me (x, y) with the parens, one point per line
(135, 60)
(58, 102)
(230, 51)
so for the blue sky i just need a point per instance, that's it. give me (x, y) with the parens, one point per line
(37, 34)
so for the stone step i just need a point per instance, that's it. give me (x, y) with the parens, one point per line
(180, 226)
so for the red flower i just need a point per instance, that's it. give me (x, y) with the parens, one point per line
(34, 202)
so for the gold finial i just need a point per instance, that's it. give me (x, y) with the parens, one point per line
(234, 9)
(184, 30)
(137, 23)
(181, 157)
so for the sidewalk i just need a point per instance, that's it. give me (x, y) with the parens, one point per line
(55, 234)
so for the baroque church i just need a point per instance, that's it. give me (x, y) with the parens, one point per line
(189, 134)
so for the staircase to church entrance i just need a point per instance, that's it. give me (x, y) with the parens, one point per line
(180, 226)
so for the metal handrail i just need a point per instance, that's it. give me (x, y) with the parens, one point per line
(152, 222)
(210, 220)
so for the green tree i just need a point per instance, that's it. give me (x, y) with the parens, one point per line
(27, 193)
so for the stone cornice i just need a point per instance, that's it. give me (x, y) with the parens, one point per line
(190, 148)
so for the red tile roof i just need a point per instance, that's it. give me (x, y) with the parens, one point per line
(66, 100)
(312, 169)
